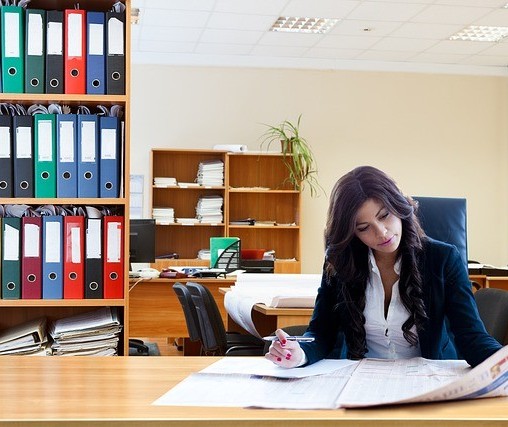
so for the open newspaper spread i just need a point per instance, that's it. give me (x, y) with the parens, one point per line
(330, 384)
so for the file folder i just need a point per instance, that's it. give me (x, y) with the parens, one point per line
(54, 52)
(6, 156)
(66, 159)
(88, 150)
(113, 256)
(23, 156)
(95, 58)
(109, 170)
(35, 56)
(11, 272)
(115, 53)
(45, 155)
(13, 45)
(52, 257)
(74, 255)
(75, 51)
(94, 284)
(31, 257)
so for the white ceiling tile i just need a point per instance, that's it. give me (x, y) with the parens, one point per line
(230, 36)
(165, 46)
(235, 21)
(354, 27)
(181, 4)
(320, 9)
(260, 7)
(497, 49)
(385, 55)
(223, 49)
(440, 14)
(278, 51)
(398, 12)
(347, 42)
(496, 18)
(492, 61)
(426, 31)
(479, 3)
(175, 18)
(275, 38)
(437, 58)
(333, 53)
(459, 47)
(170, 34)
(403, 44)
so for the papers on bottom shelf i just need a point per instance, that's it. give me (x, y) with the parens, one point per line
(94, 332)
(27, 338)
(344, 384)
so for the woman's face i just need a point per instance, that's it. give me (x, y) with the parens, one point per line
(378, 228)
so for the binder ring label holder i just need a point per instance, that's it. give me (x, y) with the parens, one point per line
(113, 276)
(45, 175)
(66, 175)
(88, 175)
(74, 72)
(31, 278)
(12, 71)
(73, 276)
(3, 185)
(24, 185)
(93, 286)
(96, 82)
(54, 83)
(11, 286)
(115, 76)
(52, 276)
(34, 82)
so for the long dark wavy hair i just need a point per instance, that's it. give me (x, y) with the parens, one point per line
(347, 256)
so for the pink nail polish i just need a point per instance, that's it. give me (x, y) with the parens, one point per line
(288, 356)
(283, 342)
(279, 359)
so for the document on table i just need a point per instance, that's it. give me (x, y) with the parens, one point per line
(368, 382)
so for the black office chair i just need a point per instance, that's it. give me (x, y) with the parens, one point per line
(493, 308)
(189, 311)
(214, 338)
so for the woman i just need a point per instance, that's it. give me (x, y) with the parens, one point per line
(387, 288)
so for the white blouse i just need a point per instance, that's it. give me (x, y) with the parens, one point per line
(384, 335)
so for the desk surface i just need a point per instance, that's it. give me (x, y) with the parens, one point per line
(94, 391)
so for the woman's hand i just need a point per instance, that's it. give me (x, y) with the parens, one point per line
(282, 352)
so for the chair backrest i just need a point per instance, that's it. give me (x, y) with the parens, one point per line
(493, 308)
(189, 311)
(445, 219)
(213, 333)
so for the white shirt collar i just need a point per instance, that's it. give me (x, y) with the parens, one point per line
(373, 265)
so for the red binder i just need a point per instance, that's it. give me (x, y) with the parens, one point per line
(75, 51)
(113, 227)
(31, 257)
(74, 252)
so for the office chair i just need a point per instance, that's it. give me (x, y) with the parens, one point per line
(189, 311)
(493, 308)
(214, 338)
(139, 346)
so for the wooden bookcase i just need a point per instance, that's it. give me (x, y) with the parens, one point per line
(13, 312)
(255, 186)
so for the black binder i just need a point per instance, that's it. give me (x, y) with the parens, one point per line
(115, 53)
(6, 156)
(23, 150)
(94, 284)
(54, 52)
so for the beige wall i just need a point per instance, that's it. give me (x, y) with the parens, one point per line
(437, 135)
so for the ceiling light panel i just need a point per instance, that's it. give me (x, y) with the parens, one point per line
(481, 33)
(292, 24)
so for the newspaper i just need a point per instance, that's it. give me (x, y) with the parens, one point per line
(368, 382)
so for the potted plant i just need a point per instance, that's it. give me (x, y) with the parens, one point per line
(297, 155)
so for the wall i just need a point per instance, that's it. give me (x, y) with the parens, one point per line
(437, 135)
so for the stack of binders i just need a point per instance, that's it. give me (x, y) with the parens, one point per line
(62, 51)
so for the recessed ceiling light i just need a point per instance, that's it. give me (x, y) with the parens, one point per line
(481, 33)
(292, 24)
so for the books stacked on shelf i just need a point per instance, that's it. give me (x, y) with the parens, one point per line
(94, 333)
(163, 216)
(188, 184)
(211, 173)
(209, 209)
(28, 338)
(163, 182)
(187, 221)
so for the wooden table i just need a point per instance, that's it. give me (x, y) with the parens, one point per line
(499, 282)
(118, 391)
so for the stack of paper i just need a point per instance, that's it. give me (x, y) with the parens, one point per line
(162, 182)
(204, 254)
(27, 338)
(163, 215)
(211, 173)
(187, 221)
(209, 209)
(93, 333)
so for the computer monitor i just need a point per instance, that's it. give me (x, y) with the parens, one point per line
(142, 241)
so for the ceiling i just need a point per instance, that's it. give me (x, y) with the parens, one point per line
(394, 35)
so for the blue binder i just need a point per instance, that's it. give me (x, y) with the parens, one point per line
(95, 53)
(52, 257)
(88, 155)
(109, 170)
(66, 156)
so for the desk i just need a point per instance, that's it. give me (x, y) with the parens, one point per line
(500, 282)
(118, 391)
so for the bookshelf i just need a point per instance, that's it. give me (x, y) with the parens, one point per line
(255, 186)
(16, 311)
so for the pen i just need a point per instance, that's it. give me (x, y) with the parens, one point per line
(290, 338)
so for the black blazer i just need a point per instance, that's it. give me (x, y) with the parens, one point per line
(447, 295)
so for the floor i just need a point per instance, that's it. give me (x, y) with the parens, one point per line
(167, 347)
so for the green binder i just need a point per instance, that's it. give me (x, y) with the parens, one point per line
(35, 36)
(44, 155)
(225, 253)
(11, 265)
(13, 45)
